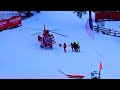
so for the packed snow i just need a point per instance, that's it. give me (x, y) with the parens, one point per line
(115, 25)
(22, 57)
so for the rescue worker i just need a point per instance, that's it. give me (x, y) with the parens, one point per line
(78, 46)
(75, 47)
(64, 46)
(72, 46)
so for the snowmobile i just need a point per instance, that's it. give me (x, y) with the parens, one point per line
(47, 39)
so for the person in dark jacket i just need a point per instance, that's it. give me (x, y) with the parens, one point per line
(75, 47)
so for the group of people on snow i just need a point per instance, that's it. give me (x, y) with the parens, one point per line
(75, 46)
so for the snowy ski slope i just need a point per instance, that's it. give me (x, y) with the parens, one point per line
(21, 56)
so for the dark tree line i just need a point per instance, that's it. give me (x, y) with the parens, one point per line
(80, 13)
(28, 13)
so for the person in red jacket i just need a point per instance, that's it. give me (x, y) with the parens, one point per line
(72, 46)
(64, 46)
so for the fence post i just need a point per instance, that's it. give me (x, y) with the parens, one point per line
(90, 20)
(115, 33)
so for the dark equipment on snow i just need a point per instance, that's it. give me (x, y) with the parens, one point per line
(60, 45)
(93, 75)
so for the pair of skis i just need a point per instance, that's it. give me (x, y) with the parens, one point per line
(72, 76)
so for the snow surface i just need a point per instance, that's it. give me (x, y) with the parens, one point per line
(22, 57)
(115, 25)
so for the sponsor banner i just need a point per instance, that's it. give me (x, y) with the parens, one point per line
(14, 21)
(109, 15)
(11, 22)
(4, 24)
